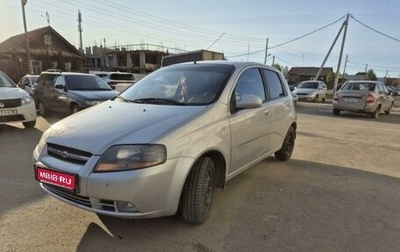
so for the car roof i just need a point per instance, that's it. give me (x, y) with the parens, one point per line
(237, 64)
(363, 81)
(67, 73)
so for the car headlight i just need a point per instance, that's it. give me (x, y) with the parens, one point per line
(26, 99)
(92, 103)
(131, 157)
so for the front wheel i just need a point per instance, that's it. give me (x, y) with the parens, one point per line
(316, 99)
(30, 124)
(288, 145)
(74, 109)
(387, 112)
(198, 192)
(42, 109)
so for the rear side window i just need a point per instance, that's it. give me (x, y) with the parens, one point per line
(274, 84)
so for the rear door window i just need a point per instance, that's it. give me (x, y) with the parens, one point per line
(274, 84)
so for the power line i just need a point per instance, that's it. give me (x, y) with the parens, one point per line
(290, 41)
(381, 33)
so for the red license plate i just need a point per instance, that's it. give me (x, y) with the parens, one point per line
(56, 178)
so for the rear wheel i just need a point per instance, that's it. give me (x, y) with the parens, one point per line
(288, 145)
(336, 111)
(376, 113)
(42, 109)
(198, 192)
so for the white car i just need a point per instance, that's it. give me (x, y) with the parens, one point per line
(16, 105)
(312, 91)
(169, 140)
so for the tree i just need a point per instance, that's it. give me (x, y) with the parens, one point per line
(370, 75)
(330, 79)
(277, 66)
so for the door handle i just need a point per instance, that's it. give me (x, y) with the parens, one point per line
(267, 112)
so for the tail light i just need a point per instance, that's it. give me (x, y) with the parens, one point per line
(335, 97)
(370, 99)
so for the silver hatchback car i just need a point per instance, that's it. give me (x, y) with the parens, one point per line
(169, 140)
(370, 97)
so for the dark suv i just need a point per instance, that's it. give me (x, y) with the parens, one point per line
(67, 92)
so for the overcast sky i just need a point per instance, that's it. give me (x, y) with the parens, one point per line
(239, 29)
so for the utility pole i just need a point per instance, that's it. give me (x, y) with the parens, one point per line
(329, 52)
(346, 23)
(28, 50)
(266, 52)
(80, 30)
(345, 64)
(273, 60)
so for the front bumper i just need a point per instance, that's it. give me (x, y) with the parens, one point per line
(25, 113)
(145, 193)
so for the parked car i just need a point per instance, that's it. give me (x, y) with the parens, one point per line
(27, 82)
(119, 80)
(311, 91)
(394, 91)
(68, 93)
(16, 105)
(169, 140)
(370, 97)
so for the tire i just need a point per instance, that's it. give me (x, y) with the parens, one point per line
(288, 146)
(30, 124)
(316, 99)
(336, 111)
(74, 109)
(376, 113)
(42, 110)
(387, 112)
(198, 192)
(324, 99)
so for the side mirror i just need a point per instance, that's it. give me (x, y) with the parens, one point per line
(248, 101)
(59, 86)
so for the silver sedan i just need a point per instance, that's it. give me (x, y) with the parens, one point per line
(370, 97)
(169, 140)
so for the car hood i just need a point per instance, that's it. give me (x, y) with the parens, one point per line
(12, 93)
(110, 123)
(304, 90)
(100, 95)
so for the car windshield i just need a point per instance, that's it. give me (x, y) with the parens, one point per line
(86, 82)
(194, 84)
(6, 82)
(359, 86)
(308, 84)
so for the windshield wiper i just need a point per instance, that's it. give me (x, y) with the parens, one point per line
(158, 101)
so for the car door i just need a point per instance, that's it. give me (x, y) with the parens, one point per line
(249, 127)
(384, 96)
(59, 98)
(279, 104)
(45, 91)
